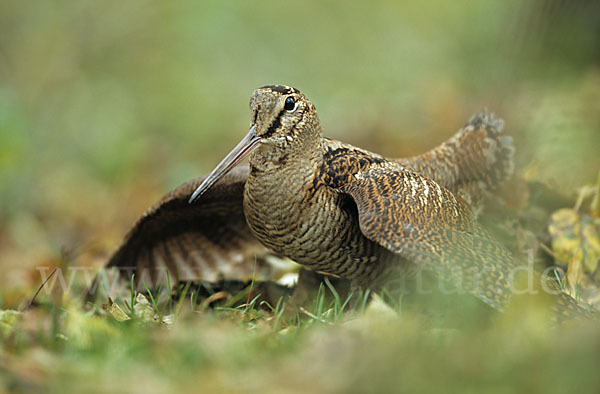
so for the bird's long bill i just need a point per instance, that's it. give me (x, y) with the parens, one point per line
(242, 150)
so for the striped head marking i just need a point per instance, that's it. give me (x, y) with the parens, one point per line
(277, 111)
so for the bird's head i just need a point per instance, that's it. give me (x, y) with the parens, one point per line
(283, 119)
(279, 112)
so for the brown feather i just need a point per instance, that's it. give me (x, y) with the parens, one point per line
(209, 240)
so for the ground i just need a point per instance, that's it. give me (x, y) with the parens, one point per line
(104, 108)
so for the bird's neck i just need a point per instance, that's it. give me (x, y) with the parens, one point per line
(279, 199)
(279, 192)
(286, 163)
(280, 183)
(298, 151)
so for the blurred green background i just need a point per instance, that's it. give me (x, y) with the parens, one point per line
(104, 106)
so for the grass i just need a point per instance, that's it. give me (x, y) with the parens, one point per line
(332, 347)
(103, 108)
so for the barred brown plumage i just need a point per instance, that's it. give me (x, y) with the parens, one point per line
(336, 208)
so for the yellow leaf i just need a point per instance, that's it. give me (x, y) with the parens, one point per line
(575, 236)
(590, 234)
(574, 276)
(115, 311)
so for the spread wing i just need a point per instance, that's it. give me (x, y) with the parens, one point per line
(425, 223)
(208, 240)
(476, 160)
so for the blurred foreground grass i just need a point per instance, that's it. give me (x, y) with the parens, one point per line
(64, 349)
(105, 106)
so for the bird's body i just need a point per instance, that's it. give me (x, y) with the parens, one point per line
(336, 208)
(304, 195)
(293, 210)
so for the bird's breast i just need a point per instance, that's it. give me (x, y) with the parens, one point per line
(304, 220)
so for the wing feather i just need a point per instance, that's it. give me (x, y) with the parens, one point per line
(208, 240)
(437, 231)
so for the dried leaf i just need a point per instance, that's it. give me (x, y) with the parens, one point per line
(575, 236)
(575, 276)
(576, 240)
(145, 312)
(115, 311)
(143, 309)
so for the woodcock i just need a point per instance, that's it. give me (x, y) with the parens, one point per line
(334, 208)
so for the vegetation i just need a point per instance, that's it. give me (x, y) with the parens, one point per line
(106, 106)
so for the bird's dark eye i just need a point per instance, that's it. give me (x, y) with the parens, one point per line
(290, 104)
